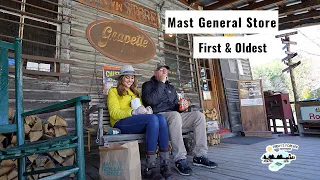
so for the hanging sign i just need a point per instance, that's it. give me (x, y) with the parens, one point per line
(287, 34)
(285, 46)
(108, 81)
(288, 42)
(291, 66)
(121, 41)
(290, 56)
(289, 52)
(126, 9)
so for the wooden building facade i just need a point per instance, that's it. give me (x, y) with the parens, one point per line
(60, 63)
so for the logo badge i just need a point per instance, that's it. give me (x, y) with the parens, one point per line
(278, 155)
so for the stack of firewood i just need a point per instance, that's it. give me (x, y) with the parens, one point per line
(213, 139)
(54, 126)
(211, 114)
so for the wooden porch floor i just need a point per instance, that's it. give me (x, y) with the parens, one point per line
(243, 162)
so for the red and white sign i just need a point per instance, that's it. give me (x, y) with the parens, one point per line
(310, 112)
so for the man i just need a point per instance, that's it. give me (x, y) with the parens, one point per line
(162, 97)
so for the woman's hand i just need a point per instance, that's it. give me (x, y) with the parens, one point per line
(149, 110)
(139, 110)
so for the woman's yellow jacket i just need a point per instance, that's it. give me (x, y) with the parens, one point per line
(119, 106)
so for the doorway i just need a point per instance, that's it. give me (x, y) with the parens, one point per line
(212, 91)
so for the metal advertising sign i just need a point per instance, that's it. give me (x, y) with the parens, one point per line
(121, 41)
(126, 9)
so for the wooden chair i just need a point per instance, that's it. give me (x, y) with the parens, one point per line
(24, 149)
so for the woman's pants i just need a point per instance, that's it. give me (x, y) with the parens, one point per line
(154, 125)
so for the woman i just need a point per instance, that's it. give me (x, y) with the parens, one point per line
(139, 120)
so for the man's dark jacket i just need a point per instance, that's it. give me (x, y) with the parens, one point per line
(160, 96)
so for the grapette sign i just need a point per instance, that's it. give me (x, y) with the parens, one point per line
(127, 9)
(121, 41)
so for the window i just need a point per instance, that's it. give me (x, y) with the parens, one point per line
(37, 23)
(177, 50)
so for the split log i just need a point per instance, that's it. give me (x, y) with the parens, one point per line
(41, 161)
(2, 141)
(66, 152)
(56, 120)
(10, 113)
(14, 140)
(13, 174)
(58, 158)
(5, 170)
(55, 126)
(27, 129)
(69, 161)
(213, 139)
(32, 158)
(33, 128)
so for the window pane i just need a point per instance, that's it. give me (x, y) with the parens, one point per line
(182, 71)
(183, 51)
(9, 28)
(170, 38)
(11, 4)
(183, 42)
(173, 77)
(44, 5)
(183, 37)
(39, 35)
(173, 48)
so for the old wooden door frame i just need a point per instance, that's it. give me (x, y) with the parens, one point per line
(217, 90)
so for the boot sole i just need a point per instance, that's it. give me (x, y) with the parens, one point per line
(181, 172)
(201, 165)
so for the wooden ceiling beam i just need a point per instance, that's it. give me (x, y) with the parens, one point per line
(219, 4)
(260, 4)
(305, 4)
(311, 14)
(298, 24)
(192, 1)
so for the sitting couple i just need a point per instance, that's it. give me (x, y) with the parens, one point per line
(158, 117)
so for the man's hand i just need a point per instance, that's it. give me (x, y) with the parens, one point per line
(185, 104)
(163, 78)
(139, 110)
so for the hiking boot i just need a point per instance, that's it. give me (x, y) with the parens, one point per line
(152, 173)
(204, 162)
(183, 168)
(165, 165)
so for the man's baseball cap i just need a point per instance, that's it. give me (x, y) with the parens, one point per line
(159, 66)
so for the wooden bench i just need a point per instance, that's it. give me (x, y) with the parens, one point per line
(23, 149)
(98, 115)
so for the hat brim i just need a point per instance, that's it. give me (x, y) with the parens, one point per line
(124, 74)
(163, 66)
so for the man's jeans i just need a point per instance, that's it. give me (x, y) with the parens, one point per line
(155, 127)
(178, 121)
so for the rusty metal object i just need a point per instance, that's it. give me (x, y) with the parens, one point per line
(121, 41)
(126, 9)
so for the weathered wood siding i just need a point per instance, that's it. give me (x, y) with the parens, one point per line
(42, 91)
